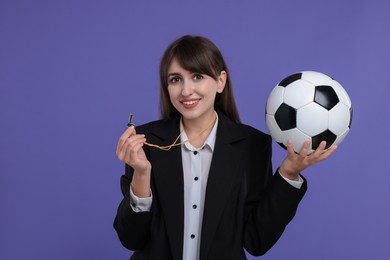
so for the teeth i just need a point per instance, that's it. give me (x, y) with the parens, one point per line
(189, 102)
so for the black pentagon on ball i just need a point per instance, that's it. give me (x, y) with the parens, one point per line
(327, 136)
(325, 96)
(290, 79)
(286, 117)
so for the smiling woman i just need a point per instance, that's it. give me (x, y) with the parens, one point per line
(193, 95)
(213, 194)
(200, 56)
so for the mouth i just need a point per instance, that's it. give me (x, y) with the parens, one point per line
(190, 103)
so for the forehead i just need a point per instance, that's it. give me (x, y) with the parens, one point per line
(175, 67)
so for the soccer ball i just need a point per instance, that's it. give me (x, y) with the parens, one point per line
(308, 106)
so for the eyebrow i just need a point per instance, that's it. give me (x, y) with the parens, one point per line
(173, 74)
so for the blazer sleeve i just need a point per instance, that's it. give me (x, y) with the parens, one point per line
(133, 228)
(271, 201)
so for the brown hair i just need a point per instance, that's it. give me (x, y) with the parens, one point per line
(198, 55)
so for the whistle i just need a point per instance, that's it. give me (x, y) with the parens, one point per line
(129, 123)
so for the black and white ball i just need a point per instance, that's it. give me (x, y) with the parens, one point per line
(308, 105)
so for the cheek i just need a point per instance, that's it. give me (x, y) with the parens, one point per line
(173, 93)
(210, 92)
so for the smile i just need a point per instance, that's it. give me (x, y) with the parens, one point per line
(190, 103)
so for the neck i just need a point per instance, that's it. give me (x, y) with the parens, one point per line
(198, 130)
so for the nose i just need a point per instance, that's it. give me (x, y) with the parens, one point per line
(187, 88)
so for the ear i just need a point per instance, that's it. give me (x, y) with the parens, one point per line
(221, 81)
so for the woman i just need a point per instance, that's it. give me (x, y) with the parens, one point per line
(198, 183)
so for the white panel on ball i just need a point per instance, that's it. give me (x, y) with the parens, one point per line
(341, 137)
(298, 138)
(298, 94)
(312, 119)
(275, 100)
(273, 128)
(339, 118)
(317, 78)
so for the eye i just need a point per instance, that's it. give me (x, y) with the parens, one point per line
(198, 77)
(174, 79)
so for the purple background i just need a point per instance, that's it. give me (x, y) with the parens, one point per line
(72, 71)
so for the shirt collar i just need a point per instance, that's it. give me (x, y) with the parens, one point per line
(210, 141)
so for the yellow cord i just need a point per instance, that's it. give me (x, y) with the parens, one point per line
(168, 147)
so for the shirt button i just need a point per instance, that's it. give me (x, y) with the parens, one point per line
(192, 236)
(195, 152)
(194, 206)
(196, 178)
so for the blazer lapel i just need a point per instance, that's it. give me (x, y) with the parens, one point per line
(168, 175)
(223, 173)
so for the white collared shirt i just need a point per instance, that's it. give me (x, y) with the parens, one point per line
(196, 166)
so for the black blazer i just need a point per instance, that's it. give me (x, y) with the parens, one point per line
(246, 207)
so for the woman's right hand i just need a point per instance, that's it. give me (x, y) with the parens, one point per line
(129, 150)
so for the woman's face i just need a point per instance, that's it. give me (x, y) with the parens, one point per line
(193, 94)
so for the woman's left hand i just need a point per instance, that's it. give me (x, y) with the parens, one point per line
(294, 163)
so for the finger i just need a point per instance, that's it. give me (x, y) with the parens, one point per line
(129, 142)
(131, 152)
(305, 149)
(135, 150)
(328, 152)
(130, 131)
(290, 147)
(121, 150)
(320, 149)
